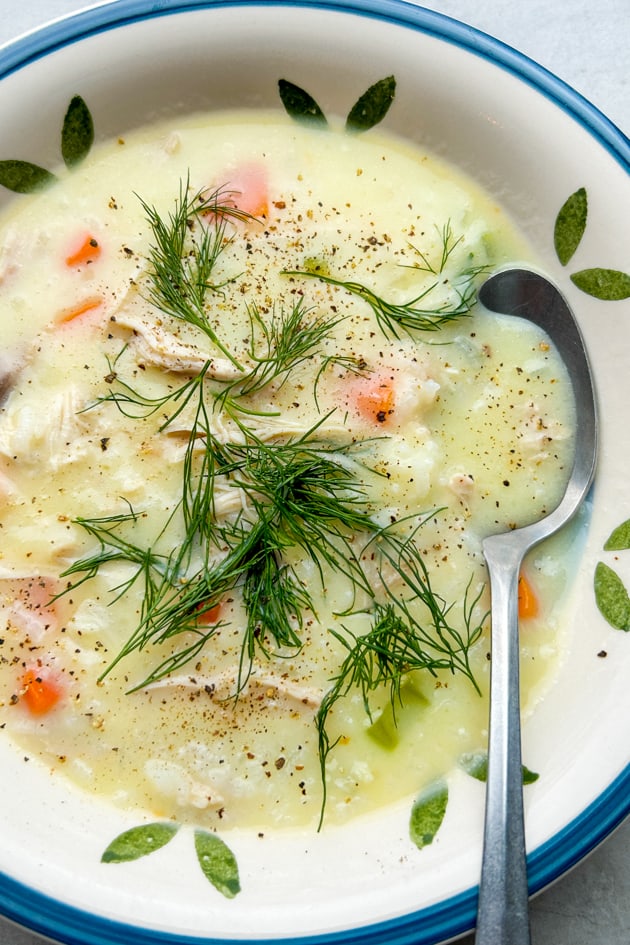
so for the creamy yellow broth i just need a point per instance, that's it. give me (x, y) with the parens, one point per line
(475, 437)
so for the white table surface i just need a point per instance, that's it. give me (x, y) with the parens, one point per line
(587, 44)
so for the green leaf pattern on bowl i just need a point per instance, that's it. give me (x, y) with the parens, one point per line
(217, 862)
(23, 177)
(609, 285)
(138, 841)
(611, 595)
(77, 133)
(427, 813)
(476, 765)
(77, 137)
(369, 109)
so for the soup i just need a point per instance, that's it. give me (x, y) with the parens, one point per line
(254, 428)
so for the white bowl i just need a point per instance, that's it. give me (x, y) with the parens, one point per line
(531, 142)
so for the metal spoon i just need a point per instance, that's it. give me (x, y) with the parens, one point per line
(503, 913)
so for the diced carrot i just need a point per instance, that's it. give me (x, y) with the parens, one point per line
(38, 592)
(85, 253)
(206, 616)
(31, 603)
(41, 691)
(374, 398)
(86, 307)
(527, 599)
(247, 190)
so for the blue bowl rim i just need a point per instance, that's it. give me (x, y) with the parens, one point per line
(551, 860)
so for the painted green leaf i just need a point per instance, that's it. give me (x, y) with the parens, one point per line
(217, 863)
(612, 597)
(476, 765)
(570, 225)
(619, 538)
(611, 285)
(372, 106)
(77, 133)
(299, 104)
(529, 776)
(139, 841)
(24, 177)
(427, 813)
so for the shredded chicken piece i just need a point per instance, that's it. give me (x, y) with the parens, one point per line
(157, 346)
(309, 696)
(264, 430)
(61, 440)
(174, 781)
(536, 433)
(228, 500)
(462, 485)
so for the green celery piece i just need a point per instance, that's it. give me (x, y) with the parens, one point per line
(390, 725)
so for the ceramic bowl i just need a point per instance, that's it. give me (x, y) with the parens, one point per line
(532, 143)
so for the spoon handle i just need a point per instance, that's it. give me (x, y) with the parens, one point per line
(503, 913)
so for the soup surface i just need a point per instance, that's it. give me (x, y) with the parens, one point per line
(253, 429)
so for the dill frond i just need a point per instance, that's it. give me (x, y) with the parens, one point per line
(183, 256)
(403, 638)
(417, 313)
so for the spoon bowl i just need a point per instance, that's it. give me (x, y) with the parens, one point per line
(503, 913)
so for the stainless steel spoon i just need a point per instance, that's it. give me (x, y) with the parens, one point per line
(503, 912)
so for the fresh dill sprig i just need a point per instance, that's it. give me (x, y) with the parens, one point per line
(169, 610)
(318, 502)
(279, 343)
(288, 339)
(295, 495)
(449, 245)
(380, 658)
(274, 599)
(416, 314)
(113, 548)
(183, 257)
(134, 404)
(410, 631)
(158, 573)
(411, 315)
(443, 638)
